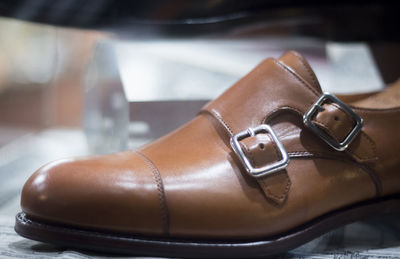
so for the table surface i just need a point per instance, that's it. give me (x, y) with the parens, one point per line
(26, 150)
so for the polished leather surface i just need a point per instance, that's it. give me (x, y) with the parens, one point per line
(191, 184)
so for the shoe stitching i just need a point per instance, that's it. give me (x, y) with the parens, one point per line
(373, 144)
(282, 197)
(308, 68)
(220, 119)
(248, 153)
(161, 192)
(276, 112)
(343, 111)
(288, 182)
(276, 198)
(301, 154)
(362, 134)
(319, 155)
(291, 72)
(328, 130)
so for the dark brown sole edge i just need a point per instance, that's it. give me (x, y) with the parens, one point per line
(146, 246)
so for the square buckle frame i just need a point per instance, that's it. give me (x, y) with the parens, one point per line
(339, 146)
(265, 170)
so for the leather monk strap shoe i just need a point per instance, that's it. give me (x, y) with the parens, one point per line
(269, 165)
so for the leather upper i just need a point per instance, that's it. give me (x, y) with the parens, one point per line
(190, 183)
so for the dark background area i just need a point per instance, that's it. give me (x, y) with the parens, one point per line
(332, 20)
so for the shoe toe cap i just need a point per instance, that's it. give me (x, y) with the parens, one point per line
(112, 192)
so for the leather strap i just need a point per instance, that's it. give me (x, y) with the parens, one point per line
(338, 124)
(291, 92)
(261, 150)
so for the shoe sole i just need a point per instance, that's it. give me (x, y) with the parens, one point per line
(147, 246)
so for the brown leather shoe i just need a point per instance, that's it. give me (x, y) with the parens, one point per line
(266, 167)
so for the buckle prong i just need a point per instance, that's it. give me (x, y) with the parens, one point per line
(251, 132)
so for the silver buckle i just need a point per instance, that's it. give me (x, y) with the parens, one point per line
(265, 170)
(317, 106)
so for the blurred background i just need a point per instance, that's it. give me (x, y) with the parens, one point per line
(98, 76)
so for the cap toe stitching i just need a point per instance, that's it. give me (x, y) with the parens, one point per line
(161, 192)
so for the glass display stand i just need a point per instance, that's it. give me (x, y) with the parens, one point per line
(137, 91)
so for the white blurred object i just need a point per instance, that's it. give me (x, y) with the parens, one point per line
(353, 68)
(27, 51)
